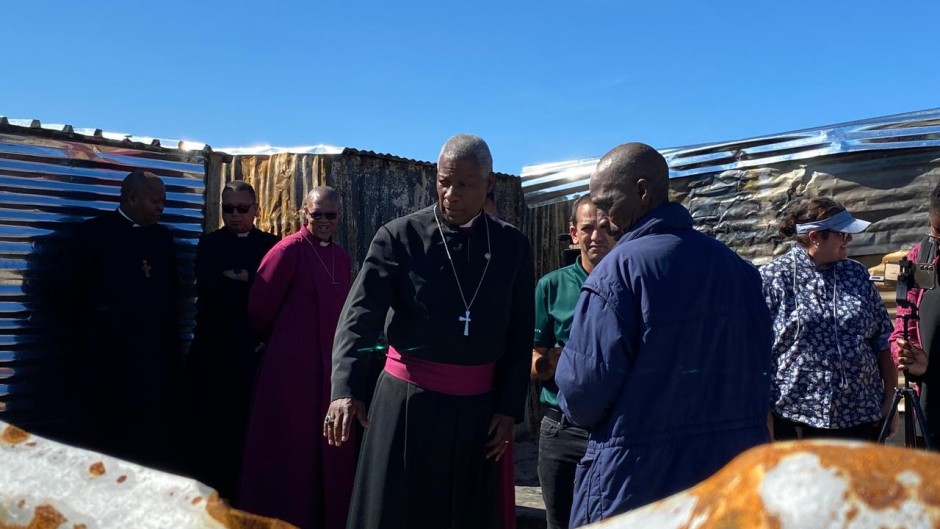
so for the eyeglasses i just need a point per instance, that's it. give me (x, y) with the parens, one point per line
(842, 235)
(317, 215)
(232, 208)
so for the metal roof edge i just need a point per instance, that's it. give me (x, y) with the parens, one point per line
(35, 126)
(552, 182)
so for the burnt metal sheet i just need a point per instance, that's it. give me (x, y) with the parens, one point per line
(743, 207)
(50, 485)
(561, 181)
(374, 188)
(52, 177)
(804, 485)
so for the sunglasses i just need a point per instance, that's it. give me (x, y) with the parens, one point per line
(230, 208)
(330, 215)
(842, 235)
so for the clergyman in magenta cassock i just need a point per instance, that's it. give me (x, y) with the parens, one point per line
(290, 472)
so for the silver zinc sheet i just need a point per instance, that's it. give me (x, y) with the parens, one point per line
(52, 177)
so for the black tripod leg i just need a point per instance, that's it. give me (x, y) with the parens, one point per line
(910, 435)
(886, 427)
(921, 418)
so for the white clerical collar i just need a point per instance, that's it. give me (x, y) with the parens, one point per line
(469, 224)
(243, 235)
(121, 211)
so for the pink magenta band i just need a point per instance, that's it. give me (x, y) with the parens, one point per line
(449, 379)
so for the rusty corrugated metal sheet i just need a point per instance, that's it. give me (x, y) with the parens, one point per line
(52, 177)
(804, 485)
(48, 485)
(375, 188)
(280, 181)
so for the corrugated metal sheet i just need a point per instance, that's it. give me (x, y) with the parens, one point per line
(51, 178)
(882, 170)
(375, 188)
(561, 181)
(743, 207)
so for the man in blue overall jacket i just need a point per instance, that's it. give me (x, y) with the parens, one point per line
(668, 360)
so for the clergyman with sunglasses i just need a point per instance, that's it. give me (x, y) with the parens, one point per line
(834, 376)
(221, 364)
(290, 471)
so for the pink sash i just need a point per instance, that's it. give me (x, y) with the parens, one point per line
(449, 379)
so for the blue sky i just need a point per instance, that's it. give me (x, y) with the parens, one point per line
(541, 81)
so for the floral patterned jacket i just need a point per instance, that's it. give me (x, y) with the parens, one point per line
(830, 326)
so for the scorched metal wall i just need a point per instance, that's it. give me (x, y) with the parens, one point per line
(374, 188)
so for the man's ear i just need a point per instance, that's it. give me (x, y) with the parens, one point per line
(643, 191)
(573, 233)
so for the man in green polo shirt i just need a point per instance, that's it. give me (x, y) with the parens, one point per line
(561, 444)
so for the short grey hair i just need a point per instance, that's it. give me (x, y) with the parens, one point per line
(464, 146)
(320, 193)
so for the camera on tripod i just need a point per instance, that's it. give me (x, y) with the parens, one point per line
(913, 275)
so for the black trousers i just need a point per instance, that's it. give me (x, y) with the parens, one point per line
(561, 447)
(787, 430)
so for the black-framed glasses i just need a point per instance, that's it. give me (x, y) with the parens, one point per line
(330, 215)
(232, 208)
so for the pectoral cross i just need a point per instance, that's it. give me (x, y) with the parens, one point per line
(466, 323)
(146, 268)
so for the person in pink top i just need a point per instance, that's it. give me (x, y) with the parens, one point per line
(911, 355)
(290, 472)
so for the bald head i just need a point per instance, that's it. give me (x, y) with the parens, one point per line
(138, 181)
(630, 181)
(143, 197)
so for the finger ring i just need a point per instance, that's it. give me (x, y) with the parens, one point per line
(328, 420)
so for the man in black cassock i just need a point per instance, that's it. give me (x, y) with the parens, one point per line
(222, 362)
(460, 288)
(121, 288)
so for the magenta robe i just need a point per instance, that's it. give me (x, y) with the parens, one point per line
(289, 471)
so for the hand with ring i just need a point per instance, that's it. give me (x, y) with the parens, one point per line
(339, 419)
(500, 431)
